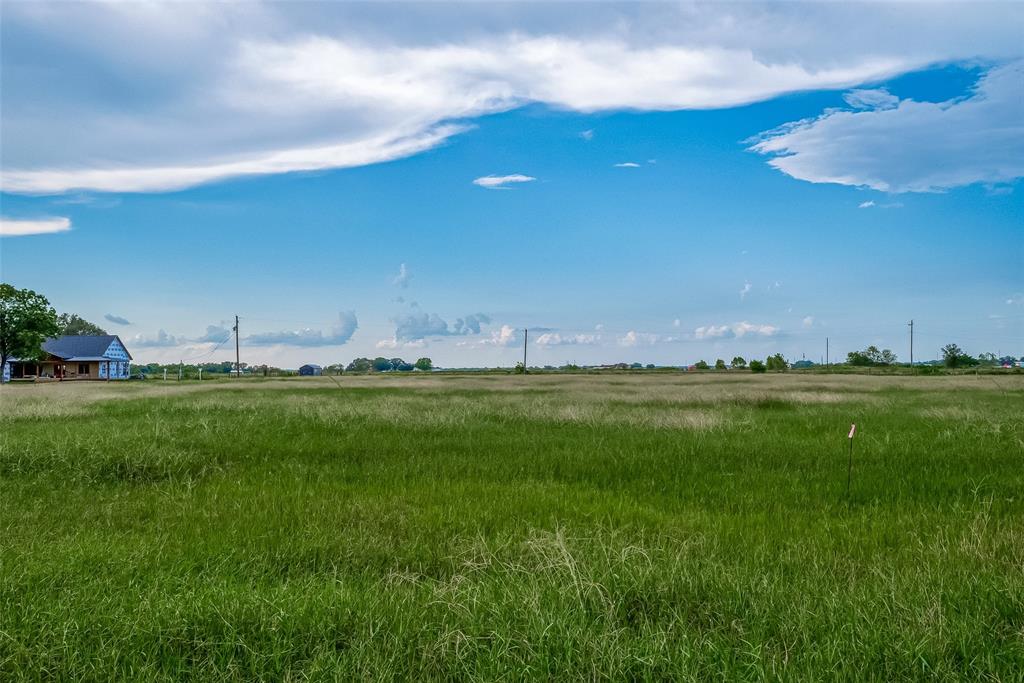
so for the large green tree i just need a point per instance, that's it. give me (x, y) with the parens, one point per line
(26, 320)
(71, 323)
(954, 357)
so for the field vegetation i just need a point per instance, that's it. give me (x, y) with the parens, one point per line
(421, 526)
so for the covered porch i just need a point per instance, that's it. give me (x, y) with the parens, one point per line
(61, 369)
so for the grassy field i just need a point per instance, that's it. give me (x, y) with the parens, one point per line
(459, 527)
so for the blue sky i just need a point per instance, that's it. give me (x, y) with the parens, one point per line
(653, 183)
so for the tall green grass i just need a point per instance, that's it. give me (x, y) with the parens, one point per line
(507, 527)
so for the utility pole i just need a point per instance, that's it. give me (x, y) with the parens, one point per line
(828, 361)
(526, 337)
(238, 364)
(911, 325)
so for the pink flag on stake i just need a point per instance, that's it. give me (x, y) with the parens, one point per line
(853, 428)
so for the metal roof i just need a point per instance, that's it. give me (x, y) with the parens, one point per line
(81, 345)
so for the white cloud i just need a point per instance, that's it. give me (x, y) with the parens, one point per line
(746, 290)
(338, 335)
(734, 331)
(914, 146)
(215, 90)
(871, 204)
(627, 164)
(14, 227)
(215, 334)
(402, 279)
(634, 338)
(499, 182)
(556, 339)
(871, 99)
(587, 135)
(417, 325)
(161, 339)
(1015, 300)
(808, 321)
(116, 319)
(394, 343)
(506, 336)
(713, 332)
(677, 323)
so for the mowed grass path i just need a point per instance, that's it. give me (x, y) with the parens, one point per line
(645, 527)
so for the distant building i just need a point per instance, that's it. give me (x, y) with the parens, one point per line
(311, 370)
(96, 357)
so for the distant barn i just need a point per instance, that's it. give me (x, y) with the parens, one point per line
(311, 370)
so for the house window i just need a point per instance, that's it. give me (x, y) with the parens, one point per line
(83, 368)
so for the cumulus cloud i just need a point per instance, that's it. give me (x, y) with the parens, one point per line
(911, 146)
(627, 164)
(505, 336)
(161, 339)
(394, 343)
(339, 334)
(808, 321)
(634, 338)
(734, 331)
(116, 319)
(216, 90)
(745, 290)
(215, 334)
(501, 182)
(470, 324)
(16, 227)
(556, 339)
(403, 277)
(418, 324)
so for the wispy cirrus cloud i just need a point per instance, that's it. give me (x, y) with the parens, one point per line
(21, 227)
(403, 277)
(501, 182)
(339, 87)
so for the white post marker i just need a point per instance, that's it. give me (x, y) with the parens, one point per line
(849, 466)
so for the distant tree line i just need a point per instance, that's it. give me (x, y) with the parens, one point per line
(381, 364)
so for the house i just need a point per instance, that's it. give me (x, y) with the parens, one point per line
(101, 357)
(311, 370)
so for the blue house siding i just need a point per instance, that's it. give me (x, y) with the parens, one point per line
(120, 366)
